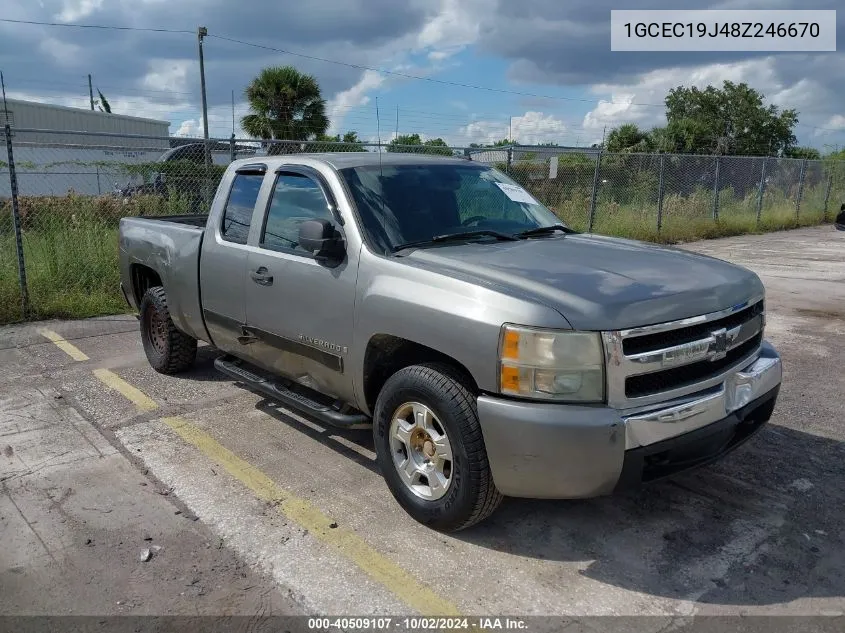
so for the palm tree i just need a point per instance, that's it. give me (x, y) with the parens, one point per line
(285, 104)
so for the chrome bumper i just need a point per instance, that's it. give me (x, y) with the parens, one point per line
(737, 390)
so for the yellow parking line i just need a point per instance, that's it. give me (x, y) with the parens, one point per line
(345, 542)
(306, 515)
(133, 394)
(71, 350)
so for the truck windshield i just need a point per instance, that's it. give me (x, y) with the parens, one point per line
(399, 204)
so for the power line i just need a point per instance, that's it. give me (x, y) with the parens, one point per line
(417, 77)
(347, 64)
(106, 27)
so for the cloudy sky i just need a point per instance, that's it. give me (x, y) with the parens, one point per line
(554, 53)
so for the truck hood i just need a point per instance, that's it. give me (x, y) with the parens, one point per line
(599, 283)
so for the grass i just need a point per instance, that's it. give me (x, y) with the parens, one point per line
(70, 248)
(71, 252)
(690, 218)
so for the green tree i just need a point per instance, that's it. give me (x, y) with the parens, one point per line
(414, 144)
(628, 138)
(285, 104)
(810, 153)
(350, 143)
(504, 142)
(437, 146)
(732, 119)
(404, 142)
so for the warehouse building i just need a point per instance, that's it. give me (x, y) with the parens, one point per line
(31, 115)
(60, 149)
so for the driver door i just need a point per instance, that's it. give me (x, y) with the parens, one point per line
(299, 308)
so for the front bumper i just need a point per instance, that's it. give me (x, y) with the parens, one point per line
(557, 451)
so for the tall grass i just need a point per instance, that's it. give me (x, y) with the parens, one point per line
(71, 251)
(690, 218)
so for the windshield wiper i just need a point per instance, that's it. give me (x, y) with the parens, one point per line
(545, 230)
(456, 237)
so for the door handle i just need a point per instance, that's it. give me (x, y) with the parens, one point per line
(261, 277)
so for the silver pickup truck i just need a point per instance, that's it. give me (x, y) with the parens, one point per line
(494, 350)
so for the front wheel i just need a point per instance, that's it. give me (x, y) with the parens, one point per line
(168, 350)
(430, 449)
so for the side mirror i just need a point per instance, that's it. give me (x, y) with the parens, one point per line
(321, 238)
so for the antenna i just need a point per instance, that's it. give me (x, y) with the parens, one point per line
(378, 127)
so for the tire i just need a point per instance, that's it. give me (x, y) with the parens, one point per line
(168, 350)
(470, 496)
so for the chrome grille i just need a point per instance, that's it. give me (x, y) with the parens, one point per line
(660, 362)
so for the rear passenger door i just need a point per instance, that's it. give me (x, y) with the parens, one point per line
(224, 258)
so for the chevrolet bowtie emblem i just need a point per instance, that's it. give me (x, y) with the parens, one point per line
(718, 348)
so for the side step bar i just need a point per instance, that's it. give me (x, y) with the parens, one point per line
(297, 400)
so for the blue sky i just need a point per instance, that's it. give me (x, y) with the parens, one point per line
(555, 48)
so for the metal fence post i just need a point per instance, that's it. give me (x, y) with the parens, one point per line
(762, 190)
(510, 158)
(660, 193)
(716, 190)
(16, 222)
(232, 153)
(594, 195)
(827, 195)
(800, 187)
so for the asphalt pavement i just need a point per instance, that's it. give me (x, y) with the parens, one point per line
(248, 508)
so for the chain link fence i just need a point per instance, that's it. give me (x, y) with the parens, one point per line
(58, 230)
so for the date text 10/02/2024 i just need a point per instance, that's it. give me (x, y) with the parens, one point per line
(416, 623)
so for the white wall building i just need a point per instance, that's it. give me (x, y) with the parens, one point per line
(50, 161)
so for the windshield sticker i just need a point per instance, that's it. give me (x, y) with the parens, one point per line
(516, 193)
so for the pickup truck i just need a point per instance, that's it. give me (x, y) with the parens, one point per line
(494, 350)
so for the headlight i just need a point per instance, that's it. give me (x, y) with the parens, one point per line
(551, 364)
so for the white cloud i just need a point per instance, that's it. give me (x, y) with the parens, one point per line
(532, 127)
(167, 75)
(338, 107)
(641, 101)
(64, 53)
(453, 28)
(836, 122)
(72, 10)
(191, 127)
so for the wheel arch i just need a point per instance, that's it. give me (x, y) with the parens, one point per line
(386, 354)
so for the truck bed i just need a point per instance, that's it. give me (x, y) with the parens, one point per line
(192, 220)
(170, 246)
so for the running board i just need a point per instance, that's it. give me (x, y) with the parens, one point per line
(297, 400)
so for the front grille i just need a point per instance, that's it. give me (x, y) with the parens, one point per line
(659, 340)
(686, 375)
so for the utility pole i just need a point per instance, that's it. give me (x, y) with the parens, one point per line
(604, 130)
(90, 91)
(201, 33)
(510, 130)
(233, 112)
(397, 121)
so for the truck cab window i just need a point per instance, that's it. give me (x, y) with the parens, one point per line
(238, 212)
(296, 198)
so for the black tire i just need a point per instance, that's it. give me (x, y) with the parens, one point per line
(472, 496)
(168, 350)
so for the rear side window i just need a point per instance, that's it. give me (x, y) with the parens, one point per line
(238, 212)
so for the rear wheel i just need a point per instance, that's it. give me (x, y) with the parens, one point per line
(168, 350)
(430, 449)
